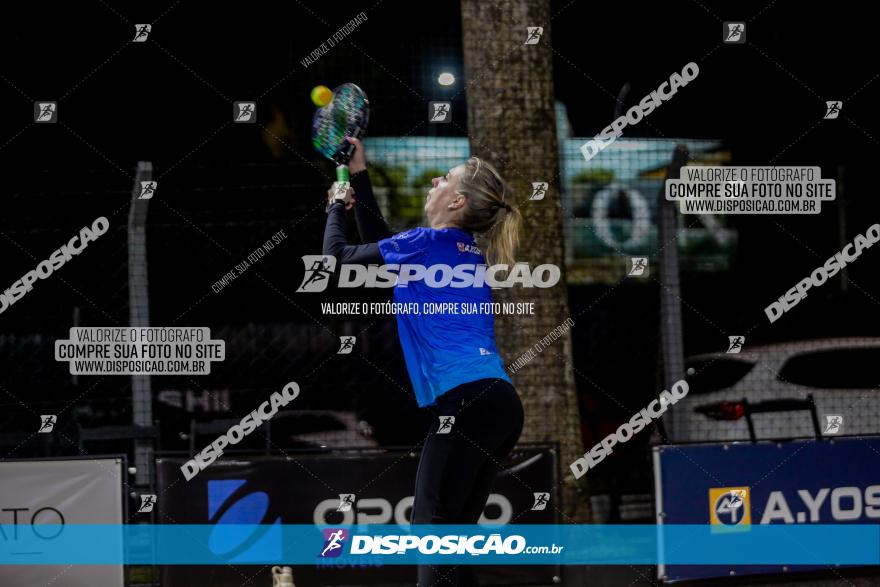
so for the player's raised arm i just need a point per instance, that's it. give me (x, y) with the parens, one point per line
(370, 222)
(335, 243)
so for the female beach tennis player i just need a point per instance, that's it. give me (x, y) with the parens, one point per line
(451, 359)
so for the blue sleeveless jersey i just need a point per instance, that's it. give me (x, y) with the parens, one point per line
(444, 350)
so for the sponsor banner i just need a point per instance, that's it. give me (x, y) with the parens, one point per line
(741, 489)
(40, 501)
(278, 493)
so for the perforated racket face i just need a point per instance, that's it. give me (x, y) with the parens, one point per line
(347, 114)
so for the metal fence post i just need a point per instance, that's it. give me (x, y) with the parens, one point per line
(671, 344)
(139, 316)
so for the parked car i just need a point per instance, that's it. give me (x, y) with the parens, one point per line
(839, 374)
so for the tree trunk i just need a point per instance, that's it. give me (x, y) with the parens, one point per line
(512, 123)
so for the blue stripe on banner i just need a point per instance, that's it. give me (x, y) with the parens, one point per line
(855, 544)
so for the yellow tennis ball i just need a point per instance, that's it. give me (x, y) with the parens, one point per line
(321, 95)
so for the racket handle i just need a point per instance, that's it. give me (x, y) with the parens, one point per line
(342, 173)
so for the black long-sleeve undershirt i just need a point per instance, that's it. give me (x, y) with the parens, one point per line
(337, 245)
(371, 226)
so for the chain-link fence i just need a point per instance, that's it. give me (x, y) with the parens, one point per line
(207, 266)
(90, 287)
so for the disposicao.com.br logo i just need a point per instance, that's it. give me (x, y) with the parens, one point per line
(334, 540)
(431, 544)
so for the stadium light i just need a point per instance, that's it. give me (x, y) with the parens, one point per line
(445, 79)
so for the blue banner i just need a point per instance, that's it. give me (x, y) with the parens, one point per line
(742, 489)
(388, 544)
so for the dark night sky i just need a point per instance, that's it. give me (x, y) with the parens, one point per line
(760, 97)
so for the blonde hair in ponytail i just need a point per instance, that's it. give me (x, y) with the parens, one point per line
(489, 211)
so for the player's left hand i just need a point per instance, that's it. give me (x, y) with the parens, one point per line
(336, 193)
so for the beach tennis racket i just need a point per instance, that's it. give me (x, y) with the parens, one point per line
(347, 114)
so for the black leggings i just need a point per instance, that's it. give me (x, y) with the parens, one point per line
(456, 469)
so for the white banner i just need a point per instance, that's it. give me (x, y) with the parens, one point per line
(57, 492)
